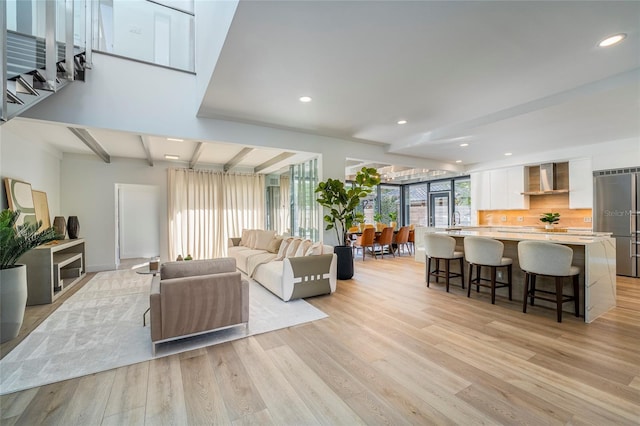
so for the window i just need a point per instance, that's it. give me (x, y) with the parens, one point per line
(389, 202)
(305, 211)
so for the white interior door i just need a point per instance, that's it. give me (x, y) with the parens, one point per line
(138, 221)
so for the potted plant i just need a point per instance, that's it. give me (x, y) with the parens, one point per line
(549, 219)
(393, 218)
(342, 201)
(377, 218)
(14, 242)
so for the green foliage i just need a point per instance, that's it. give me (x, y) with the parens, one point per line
(342, 201)
(377, 217)
(550, 218)
(17, 240)
(393, 216)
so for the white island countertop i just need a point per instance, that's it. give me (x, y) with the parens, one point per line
(508, 235)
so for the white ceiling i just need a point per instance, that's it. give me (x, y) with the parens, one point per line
(519, 76)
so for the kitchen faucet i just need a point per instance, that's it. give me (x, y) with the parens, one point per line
(455, 222)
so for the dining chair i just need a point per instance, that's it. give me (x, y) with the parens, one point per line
(401, 239)
(385, 239)
(364, 241)
(351, 234)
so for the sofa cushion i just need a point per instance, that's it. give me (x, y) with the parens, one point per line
(269, 275)
(315, 249)
(293, 247)
(244, 238)
(194, 268)
(263, 238)
(302, 248)
(282, 251)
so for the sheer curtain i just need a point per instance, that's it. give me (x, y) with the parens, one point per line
(283, 219)
(207, 207)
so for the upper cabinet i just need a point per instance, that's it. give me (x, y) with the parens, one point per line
(580, 184)
(517, 182)
(500, 189)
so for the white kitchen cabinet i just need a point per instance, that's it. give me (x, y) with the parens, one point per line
(499, 189)
(517, 183)
(580, 184)
(480, 193)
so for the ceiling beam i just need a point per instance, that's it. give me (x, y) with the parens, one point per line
(237, 158)
(146, 145)
(196, 154)
(275, 160)
(94, 145)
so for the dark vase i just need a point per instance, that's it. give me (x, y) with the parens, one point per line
(73, 227)
(60, 227)
(345, 262)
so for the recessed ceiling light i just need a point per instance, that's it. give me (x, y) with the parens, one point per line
(171, 157)
(305, 99)
(464, 144)
(175, 139)
(402, 121)
(610, 41)
(508, 154)
(458, 161)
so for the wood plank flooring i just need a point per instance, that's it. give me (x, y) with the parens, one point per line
(391, 352)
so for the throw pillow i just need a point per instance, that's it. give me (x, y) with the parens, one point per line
(274, 245)
(251, 243)
(315, 249)
(293, 246)
(302, 248)
(244, 239)
(282, 251)
(263, 238)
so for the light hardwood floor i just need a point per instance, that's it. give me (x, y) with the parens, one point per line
(391, 352)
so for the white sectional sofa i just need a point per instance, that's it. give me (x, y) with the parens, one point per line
(290, 268)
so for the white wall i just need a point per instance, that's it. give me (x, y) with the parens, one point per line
(89, 193)
(33, 162)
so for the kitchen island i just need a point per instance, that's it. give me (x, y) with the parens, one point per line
(593, 253)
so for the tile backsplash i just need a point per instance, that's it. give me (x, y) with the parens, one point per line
(569, 218)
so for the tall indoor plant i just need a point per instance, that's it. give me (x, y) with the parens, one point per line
(342, 200)
(14, 242)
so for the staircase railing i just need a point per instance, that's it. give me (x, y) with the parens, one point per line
(43, 49)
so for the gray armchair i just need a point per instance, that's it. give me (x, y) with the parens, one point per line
(195, 297)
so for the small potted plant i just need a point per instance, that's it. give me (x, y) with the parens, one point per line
(377, 218)
(16, 240)
(393, 218)
(549, 219)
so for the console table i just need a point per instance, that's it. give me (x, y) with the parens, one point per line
(53, 268)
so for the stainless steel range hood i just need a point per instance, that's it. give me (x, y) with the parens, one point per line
(548, 181)
(547, 177)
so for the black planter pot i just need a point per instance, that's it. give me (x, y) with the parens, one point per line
(345, 262)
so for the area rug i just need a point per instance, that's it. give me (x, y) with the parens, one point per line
(100, 328)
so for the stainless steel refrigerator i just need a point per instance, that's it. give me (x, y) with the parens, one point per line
(616, 205)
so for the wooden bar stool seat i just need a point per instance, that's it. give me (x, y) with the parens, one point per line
(551, 260)
(483, 251)
(442, 247)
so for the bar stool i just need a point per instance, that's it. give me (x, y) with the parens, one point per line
(483, 251)
(552, 260)
(442, 247)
